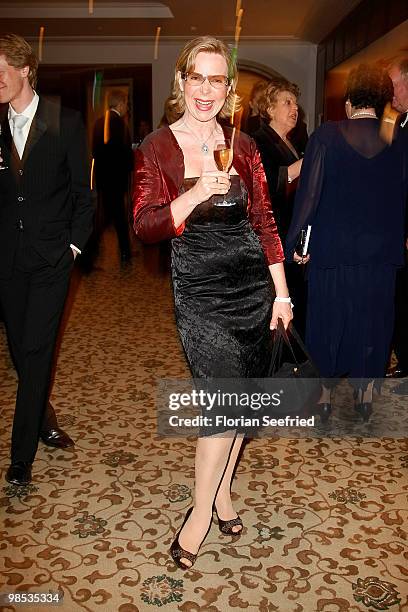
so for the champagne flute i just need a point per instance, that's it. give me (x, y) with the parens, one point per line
(223, 156)
(2, 166)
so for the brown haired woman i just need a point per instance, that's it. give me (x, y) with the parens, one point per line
(220, 259)
(278, 107)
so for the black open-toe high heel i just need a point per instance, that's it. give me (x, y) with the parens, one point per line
(178, 553)
(227, 527)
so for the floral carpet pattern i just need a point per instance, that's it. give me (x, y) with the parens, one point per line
(326, 519)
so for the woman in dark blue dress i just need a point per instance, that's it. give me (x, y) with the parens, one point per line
(352, 191)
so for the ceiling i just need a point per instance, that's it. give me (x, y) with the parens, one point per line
(303, 20)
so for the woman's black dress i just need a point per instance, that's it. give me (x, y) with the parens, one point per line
(222, 289)
(276, 158)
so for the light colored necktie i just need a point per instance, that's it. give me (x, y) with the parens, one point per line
(19, 122)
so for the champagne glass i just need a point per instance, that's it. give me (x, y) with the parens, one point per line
(2, 166)
(223, 156)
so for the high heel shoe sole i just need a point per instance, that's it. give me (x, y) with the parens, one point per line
(177, 552)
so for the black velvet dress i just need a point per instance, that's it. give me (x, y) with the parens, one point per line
(222, 289)
(276, 158)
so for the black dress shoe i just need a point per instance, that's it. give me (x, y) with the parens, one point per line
(397, 372)
(19, 473)
(56, 437)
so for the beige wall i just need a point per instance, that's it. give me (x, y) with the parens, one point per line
(394, 43)
(296, 61)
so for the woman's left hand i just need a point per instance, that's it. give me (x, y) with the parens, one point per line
(299, 259)
(281, 310)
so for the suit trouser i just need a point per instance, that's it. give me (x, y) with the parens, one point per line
(32, 300)
(114, 206)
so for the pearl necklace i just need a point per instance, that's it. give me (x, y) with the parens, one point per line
(203, 145)
(364, 114)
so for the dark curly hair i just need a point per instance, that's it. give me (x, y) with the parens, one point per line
(369, 86)
(268, 98)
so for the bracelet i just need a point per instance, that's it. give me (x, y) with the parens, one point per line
(284, 301)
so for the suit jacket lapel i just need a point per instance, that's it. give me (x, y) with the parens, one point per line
(37, 129)
(6, 141)
(276, 142)
(283, 149)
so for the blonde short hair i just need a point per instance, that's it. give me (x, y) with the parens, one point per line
(19, 54)
(269, 95)
(186, 62)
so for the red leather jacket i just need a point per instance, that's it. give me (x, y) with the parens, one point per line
(159, 175)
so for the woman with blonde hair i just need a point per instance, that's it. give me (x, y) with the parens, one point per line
(224, 239)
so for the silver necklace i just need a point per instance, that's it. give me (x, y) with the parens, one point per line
(290, 146)
(363, 114)
(203, 145)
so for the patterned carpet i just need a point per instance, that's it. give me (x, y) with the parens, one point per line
(326, 519)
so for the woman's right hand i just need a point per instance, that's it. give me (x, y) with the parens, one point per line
(210, 183)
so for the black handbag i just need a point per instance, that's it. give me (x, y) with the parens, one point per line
(291, 360)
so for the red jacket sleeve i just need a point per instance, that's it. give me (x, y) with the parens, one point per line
(260, 212)
(152, 218)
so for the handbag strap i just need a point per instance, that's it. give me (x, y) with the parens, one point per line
(298, 339)
(285, 338)
(276, 353)
(281, 336)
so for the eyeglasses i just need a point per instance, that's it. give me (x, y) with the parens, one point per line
(218, 81)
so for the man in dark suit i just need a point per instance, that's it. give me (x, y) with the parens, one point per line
(399, 76)
(112, 152)
(45, 221)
